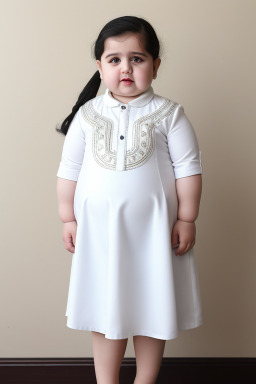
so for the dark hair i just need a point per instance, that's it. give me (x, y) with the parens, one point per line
(114, 27)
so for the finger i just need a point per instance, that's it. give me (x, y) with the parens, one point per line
(188, 247)
(74, 238)
(181, 248)
(70, 248)
(175, 238)
(68, 244)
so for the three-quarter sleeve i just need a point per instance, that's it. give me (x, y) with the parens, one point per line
(73, 149)
(183, 146)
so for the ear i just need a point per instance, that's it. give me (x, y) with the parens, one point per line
(98, 63)
(156, 65)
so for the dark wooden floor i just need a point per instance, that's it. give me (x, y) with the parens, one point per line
(173, 371)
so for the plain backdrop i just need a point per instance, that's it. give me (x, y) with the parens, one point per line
(208, 65)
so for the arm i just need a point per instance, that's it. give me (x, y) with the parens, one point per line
(67, 176)
(189, 190)
(186, 160)
(65, 196)
(184, 231)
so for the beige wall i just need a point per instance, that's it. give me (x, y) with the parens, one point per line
(208, 65)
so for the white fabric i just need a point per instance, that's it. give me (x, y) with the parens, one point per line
(125, 277)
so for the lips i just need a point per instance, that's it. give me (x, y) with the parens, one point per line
(126, 79)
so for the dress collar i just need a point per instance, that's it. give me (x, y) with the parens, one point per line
(140, 101)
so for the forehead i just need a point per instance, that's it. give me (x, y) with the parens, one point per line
(125, 42)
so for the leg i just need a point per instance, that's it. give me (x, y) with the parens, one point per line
(149, 352)
(108, 356)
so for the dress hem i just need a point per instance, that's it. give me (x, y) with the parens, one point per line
(171, 336)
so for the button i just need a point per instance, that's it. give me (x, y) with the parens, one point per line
(121, 137)
(123, 107)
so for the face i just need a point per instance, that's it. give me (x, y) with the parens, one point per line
(125, 57)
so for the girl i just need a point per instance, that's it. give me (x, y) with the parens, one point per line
(129, 187)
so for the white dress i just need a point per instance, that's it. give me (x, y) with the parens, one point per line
(125, 277)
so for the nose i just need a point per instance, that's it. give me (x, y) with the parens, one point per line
(126, 66)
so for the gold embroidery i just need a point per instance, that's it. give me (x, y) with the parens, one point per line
(143, 136)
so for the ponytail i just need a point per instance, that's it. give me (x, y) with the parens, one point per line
(88, 93)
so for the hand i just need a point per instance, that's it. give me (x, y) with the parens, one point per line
(183, 236)
(69, 235)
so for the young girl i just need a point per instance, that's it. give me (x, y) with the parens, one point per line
(129, 187)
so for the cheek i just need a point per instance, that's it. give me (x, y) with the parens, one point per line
(113, 72)
(111, 75)
(145, 74)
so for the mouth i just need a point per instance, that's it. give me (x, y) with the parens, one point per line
(127, 81)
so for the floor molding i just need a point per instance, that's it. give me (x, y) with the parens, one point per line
(209, 370)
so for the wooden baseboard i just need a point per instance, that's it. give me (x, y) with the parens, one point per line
(173, 371)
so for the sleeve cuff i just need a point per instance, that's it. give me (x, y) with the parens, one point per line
(69, 174)
(193, 168)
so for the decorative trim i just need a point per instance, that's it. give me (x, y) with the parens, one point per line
(102, 136)
(143, 135)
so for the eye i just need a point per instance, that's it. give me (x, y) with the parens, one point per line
(138, 59)
(114, 58)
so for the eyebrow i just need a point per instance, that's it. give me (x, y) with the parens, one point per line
(118, 53)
